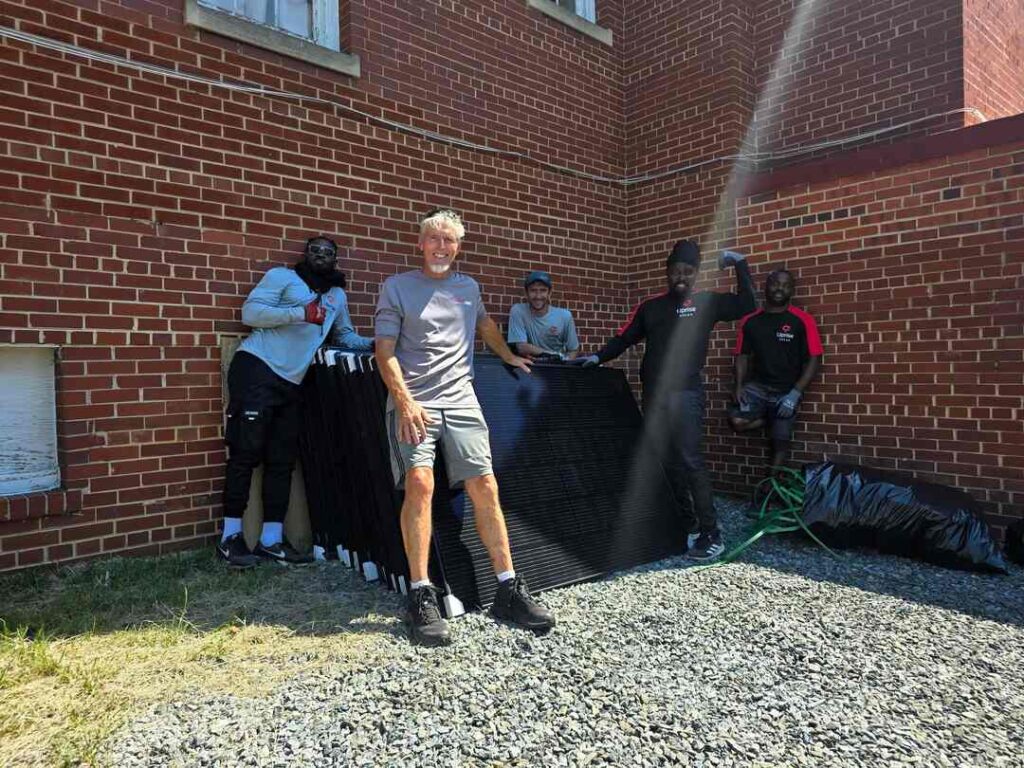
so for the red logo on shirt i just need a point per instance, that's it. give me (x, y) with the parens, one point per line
(787, 328)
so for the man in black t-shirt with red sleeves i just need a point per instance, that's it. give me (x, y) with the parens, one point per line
(778, 354)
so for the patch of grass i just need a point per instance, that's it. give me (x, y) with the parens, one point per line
(83, 648)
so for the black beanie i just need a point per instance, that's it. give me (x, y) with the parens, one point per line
(684, 252)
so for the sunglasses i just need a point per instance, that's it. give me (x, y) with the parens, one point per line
(321, 250)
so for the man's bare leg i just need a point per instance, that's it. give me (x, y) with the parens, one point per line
(419, 490)
(490, 522)
(513, 601)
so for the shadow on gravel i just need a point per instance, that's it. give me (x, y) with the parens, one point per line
(194, 590)
(995, 597)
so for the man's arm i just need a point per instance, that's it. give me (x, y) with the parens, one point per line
(412, 417)
(632, 332)
(344, 335)
(572, 342)
(261, 309)
(491, 335)
(810, 370)
(525, 349)
(814, 349)
(733, 306)
(788, 404)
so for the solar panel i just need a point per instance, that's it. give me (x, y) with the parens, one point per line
(564, 443)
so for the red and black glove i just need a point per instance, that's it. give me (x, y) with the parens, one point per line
(315, 312)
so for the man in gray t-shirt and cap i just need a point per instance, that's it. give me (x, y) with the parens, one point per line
(426, 324)
(536, 328)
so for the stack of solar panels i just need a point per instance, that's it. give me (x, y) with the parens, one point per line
(580, 500)
(353, 503)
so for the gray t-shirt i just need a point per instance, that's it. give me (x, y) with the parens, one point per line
(434, 325)
(554, 331)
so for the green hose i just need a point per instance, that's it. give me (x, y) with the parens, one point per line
(780, 511)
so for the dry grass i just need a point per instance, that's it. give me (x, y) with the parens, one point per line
(84, 648)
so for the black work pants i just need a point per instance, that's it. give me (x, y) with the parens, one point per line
(675, 428)
(262, 428)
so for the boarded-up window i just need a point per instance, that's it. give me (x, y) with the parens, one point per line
(28, 421)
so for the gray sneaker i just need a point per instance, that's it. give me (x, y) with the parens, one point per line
(427, 626)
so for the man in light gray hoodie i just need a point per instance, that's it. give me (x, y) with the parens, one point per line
(292, 312)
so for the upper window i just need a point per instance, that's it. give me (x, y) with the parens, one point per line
(28, 421)
(315, 20)
(308, 30)
(585, 8)
(581, 15)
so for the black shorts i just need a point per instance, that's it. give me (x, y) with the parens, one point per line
(760, 402)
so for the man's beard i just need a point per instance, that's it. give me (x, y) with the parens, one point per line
(440, 269)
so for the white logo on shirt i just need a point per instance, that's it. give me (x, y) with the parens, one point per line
(687, 310)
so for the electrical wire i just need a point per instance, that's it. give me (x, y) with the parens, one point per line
(742, 157)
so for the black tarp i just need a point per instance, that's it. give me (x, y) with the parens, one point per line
(853, 506)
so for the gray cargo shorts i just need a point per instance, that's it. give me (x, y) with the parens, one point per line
(464, 439)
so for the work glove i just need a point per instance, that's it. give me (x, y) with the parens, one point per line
(315, 312)
(730, 259)
(787, 405)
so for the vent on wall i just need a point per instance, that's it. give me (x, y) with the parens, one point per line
(28, 420)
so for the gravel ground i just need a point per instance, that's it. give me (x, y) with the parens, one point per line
(788, 658)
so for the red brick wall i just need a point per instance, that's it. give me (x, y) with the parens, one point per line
(994, 57)
(136, 212)
(850, 67)
(915, 274)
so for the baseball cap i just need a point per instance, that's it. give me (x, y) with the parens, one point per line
(537, 276)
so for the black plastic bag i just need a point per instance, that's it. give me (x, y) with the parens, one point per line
(853, 506)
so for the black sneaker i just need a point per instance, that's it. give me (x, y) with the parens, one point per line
(514, 603)
(427, 626)
(237, 554)
(707, 547)
(282, 552)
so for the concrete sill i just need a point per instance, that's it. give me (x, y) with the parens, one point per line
(236, 28)
(567, 17)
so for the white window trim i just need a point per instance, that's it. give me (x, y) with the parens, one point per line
(323, 53)
(574, 19)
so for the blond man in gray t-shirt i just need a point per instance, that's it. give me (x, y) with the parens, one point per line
(426, 325)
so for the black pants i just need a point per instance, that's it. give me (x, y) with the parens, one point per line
(262, 428)
(675, 425)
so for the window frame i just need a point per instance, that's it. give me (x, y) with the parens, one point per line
(572, 18)
(57, 476)
(324, 52)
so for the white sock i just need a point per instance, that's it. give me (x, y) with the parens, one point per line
(272, 534)
(418, 584)
(505, 576)
(232, 525)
